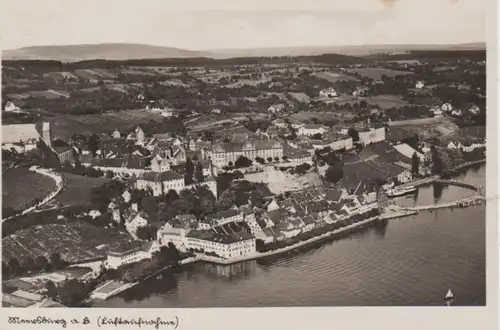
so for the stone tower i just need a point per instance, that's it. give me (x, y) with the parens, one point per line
(47, 134)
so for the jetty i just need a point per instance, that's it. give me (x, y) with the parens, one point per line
(466, 202)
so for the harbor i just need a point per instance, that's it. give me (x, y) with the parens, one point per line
(388, 263)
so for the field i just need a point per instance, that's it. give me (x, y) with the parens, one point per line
(333, 76)
(20, 187)
(77, 189)
(76, 242)
(377, 73)
(386, 101)
(321, 117)
(64, 126)
(428, 128)
(301, 97)
(48, 94)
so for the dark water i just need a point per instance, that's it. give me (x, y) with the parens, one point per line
(409, 261)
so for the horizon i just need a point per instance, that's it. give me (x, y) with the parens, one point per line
(253, 48)
(343, 24)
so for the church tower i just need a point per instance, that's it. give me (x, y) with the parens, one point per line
(47, 134)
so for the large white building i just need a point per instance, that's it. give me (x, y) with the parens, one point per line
(132, 252)
(372, 135)
(311, 129)
(160, 179)
(227, 246)
(222, 154)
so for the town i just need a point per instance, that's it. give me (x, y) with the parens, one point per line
(115, 171)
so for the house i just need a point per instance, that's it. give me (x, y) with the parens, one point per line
(446, 107)
(311, 129)
(452, 145)
(251, 220)
(276, 108)
(474, 110)
(328, 92)
(134, 221)
(175, 231)
(129, 253)
(160, 182)
(229, 246)
(419, 85)
(405, 177)
(116, 134)
(372, 135)
(138, 135)
(273, 206)
(456, 113)
(63, 151)
(10, 106)
(127, 196)
(216, 111)
(296, 157)
(227, 216)
(281, 123)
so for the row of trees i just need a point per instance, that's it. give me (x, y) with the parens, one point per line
(26, 266)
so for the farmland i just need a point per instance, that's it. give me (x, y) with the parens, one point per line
(428, 128)
(377, 73)
(76, 242)
(21, 187)
(386, 101)
(334, 77)
(65, 126)
(77, 189)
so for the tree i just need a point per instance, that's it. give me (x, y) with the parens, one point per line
(56, 261)
(334, 174)
(415, 163)
(171, 196)
(29, 264)
(41, 262)
(260, 160)
(242, 161)
(230, 164)
(188, 176)
(353, 133)
(269, 159)
(144, 233)
(256, 198)
(199, 173)
(317, 136)
(93, 144)
(15, 267)
(5, 270)
(51, 289)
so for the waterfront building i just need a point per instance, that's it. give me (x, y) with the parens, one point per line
(130, 253)
(229, 246)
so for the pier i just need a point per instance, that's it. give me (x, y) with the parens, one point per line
(465, 202)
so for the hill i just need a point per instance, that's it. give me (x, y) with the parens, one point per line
(109, 51)
(125, 51)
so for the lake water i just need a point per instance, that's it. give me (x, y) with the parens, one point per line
(410, 261)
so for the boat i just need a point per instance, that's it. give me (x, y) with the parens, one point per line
(449, 298)
(397, 192)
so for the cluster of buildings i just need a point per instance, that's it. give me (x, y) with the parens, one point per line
(448, 109)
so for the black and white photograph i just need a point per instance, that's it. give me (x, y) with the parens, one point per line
(154, 158)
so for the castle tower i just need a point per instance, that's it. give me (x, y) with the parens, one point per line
(47, 134)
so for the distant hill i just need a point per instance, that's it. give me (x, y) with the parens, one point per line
(124, 51)
(361, 50)
(117, 52)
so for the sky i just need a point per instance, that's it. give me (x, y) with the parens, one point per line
(223, 24)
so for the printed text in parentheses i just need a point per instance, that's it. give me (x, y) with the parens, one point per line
(99, 321)
(176, 322)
